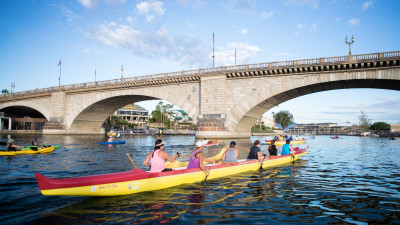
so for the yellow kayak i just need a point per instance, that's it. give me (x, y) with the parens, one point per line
(22, 152)
(297, 142)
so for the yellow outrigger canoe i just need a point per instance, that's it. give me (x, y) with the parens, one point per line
(23, 152)
(293, 142)
(137, 180)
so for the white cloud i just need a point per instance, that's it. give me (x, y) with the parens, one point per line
(193, 3)
(354, 21)
(159, 43)
(310, 3)
(267, 15)
(366, 5)
(150, 9)
(245, 53)
(311, 27)
(88, 3)
(301, 25)
(69, 14)
(244, 31)
(240, 5)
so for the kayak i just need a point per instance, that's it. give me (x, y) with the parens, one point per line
(112, 142)
(31, 146)
(137, 180)
(210, 144)
(21, 152)
(284, 142)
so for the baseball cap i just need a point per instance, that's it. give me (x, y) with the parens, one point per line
(233, 143)
(199, 144)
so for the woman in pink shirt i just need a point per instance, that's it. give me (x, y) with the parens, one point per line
(157, 158)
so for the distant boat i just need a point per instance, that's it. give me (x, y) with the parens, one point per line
(111, 142)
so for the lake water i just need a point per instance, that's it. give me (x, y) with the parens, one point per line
(351, 180)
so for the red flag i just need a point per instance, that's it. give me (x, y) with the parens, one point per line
(213, 37)
(59, 63)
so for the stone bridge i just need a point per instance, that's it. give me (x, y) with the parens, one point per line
(223, 101)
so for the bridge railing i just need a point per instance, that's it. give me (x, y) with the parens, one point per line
(198, 72)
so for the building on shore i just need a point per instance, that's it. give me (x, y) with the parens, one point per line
(133, 113)
(395, 128)
(315, 128)
(181, 116)
(5, 122)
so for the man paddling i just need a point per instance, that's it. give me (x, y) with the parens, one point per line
(231, 154)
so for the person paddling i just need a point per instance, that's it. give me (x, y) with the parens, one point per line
(255, 152)
(272, 150)
(197, 157)
(11, 146)
(231, 154)
(287, 148)
(157, 158)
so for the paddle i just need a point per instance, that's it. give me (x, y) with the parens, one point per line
(208, 172)
(263, 160)
(132, 161)
(243, 148)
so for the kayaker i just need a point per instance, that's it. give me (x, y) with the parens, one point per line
(231, 154)
(255, 152)
(272, 150)
(291, 138)
(197, 157)
(280, 138)
(287, 148)
(11, 146)
(110, 139)
(34, 142)
(157, 158)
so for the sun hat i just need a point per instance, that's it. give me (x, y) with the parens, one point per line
(10, 140)
(199, 144)
(159, 144)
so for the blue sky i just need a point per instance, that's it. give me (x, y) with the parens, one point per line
(150, 37)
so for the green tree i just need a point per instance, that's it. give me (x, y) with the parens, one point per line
(364, 121)
(283, 118)
(5, 91)
(380, 126)
(161, 113)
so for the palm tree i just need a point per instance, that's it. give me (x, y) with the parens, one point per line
(4, 91)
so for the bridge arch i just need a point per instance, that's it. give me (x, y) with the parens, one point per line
(89, 114)
(267, 98)
(29, 106)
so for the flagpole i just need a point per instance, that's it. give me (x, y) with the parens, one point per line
(213, 49)
(94, 75)
(59, 77)
(235, 56)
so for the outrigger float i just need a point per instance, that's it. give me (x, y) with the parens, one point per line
(294, 142)
(137, 180)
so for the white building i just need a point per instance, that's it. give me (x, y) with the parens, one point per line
(180, 116)
(133, 114)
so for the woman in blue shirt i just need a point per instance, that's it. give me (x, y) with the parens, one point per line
(287, 148)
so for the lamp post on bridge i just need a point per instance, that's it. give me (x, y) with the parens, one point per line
(349, 43)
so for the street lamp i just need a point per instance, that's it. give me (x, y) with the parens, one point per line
(349, 43)
(122, 71)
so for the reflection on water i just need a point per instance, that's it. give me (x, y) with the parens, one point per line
(351, 180)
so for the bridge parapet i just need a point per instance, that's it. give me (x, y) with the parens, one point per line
(274, 68)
